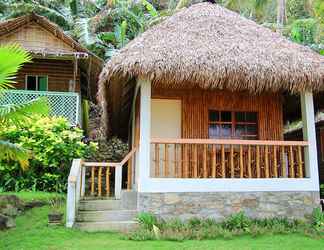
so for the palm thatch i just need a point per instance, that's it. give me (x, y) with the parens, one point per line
(210, 47)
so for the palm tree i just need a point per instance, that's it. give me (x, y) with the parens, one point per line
(12, 57)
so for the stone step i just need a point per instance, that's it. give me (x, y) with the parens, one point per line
(106, 215)
(94, 205)
(114, 226)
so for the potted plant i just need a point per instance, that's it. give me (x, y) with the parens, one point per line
(55, 215)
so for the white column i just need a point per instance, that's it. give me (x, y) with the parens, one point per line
(309, 134)
(145, 134)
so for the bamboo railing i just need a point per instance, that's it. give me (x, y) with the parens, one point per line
(209, 158)
(97, 177)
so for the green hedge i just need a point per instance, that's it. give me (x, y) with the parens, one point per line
(53, 145)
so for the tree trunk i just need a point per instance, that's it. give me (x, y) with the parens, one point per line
(281, 15)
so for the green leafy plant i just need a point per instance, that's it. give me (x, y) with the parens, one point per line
(318, 219)
(147, 220)
(304, 31)
(53, 143)
(237, 221)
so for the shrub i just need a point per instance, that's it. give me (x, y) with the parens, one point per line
(53, 144)
(318, 219)
(237, 221)
(147, 220)
(304, 31)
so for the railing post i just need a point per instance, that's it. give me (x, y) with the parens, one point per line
(118, 181)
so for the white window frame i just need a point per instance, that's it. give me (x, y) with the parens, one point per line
(26, 76)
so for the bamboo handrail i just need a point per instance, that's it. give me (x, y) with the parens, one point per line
(229, 142)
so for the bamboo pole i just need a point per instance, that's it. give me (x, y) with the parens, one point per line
(214, 161)
(92, 180)
(249, 162)
(275, 164)
(266, 161)
(129, 174)
(157, 160)
(258, 170)
(291, 162)
(186, 165)
(283, 162)
(195, 161)
(108, 181)
(175, 161)
(232, 161)
(99, 181)
(205, 161)
(223, 161)
(166, 160)
(300, 162)
(241, 162)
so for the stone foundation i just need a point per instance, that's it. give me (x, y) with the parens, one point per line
(219, 205)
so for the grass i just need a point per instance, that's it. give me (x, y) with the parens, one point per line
(33, 196)
(32, 232)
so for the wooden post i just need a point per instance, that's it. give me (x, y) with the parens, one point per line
(291, 162)
(214, 161)
(241, 162)
(195, 161)
(300, 162)
(223, 161)
(258, 171)
(166, 160)
(157, 160)
(232, 161)
(175, 161)
(99, 181)
(129, 174)
(92, 180)
(107, 182)
(205, 161)
(275, 165)
(249, 162)
(185, 159)
(266, 161)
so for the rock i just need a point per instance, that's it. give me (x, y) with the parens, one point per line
(6, 222)
(11, 205)
(33, 204)
(10, 210)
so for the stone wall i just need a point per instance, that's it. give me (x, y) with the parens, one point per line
(219, 205)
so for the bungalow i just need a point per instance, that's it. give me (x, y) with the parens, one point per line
(201, 97)
(62, 70)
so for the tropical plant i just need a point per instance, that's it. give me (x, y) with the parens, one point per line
(12, 57)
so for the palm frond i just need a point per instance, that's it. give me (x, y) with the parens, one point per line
(17, 113)
(12, 57)
(11, 151)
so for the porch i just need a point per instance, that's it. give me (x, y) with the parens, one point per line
(65, 104)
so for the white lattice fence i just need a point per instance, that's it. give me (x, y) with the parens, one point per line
(66, 104)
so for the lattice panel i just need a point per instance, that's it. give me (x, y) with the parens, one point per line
(64, 104)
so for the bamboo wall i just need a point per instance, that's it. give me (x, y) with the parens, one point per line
(33, 37)
(59, 73)
(196, 103)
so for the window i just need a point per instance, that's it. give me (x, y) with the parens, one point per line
(236, 125)
(38, 83)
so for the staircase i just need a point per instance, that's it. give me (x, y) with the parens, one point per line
(108, 214)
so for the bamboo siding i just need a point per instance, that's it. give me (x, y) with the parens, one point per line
(59, 73)
(197, 103)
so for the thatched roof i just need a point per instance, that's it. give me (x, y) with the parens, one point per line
(13, 25)
(210, 47)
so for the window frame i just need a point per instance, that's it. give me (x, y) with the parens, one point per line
(37, 87)
(234, 123)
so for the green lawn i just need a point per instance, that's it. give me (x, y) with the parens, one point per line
(32, 232)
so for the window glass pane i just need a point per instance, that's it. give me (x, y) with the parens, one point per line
(240, 116)
(213, 116)
(31, 83)
(226, 131)
(251, 129)
(226, 116)
(42, 83)
(251, 117)
(214, 131)
(239, 131)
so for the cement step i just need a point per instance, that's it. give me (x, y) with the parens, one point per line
(94, 205)
(106, 215)
(114, 226)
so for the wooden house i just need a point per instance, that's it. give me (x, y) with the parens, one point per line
(61, 69)
(200, 97)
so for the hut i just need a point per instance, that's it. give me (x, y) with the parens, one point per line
(62, 69)
(200, 97)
